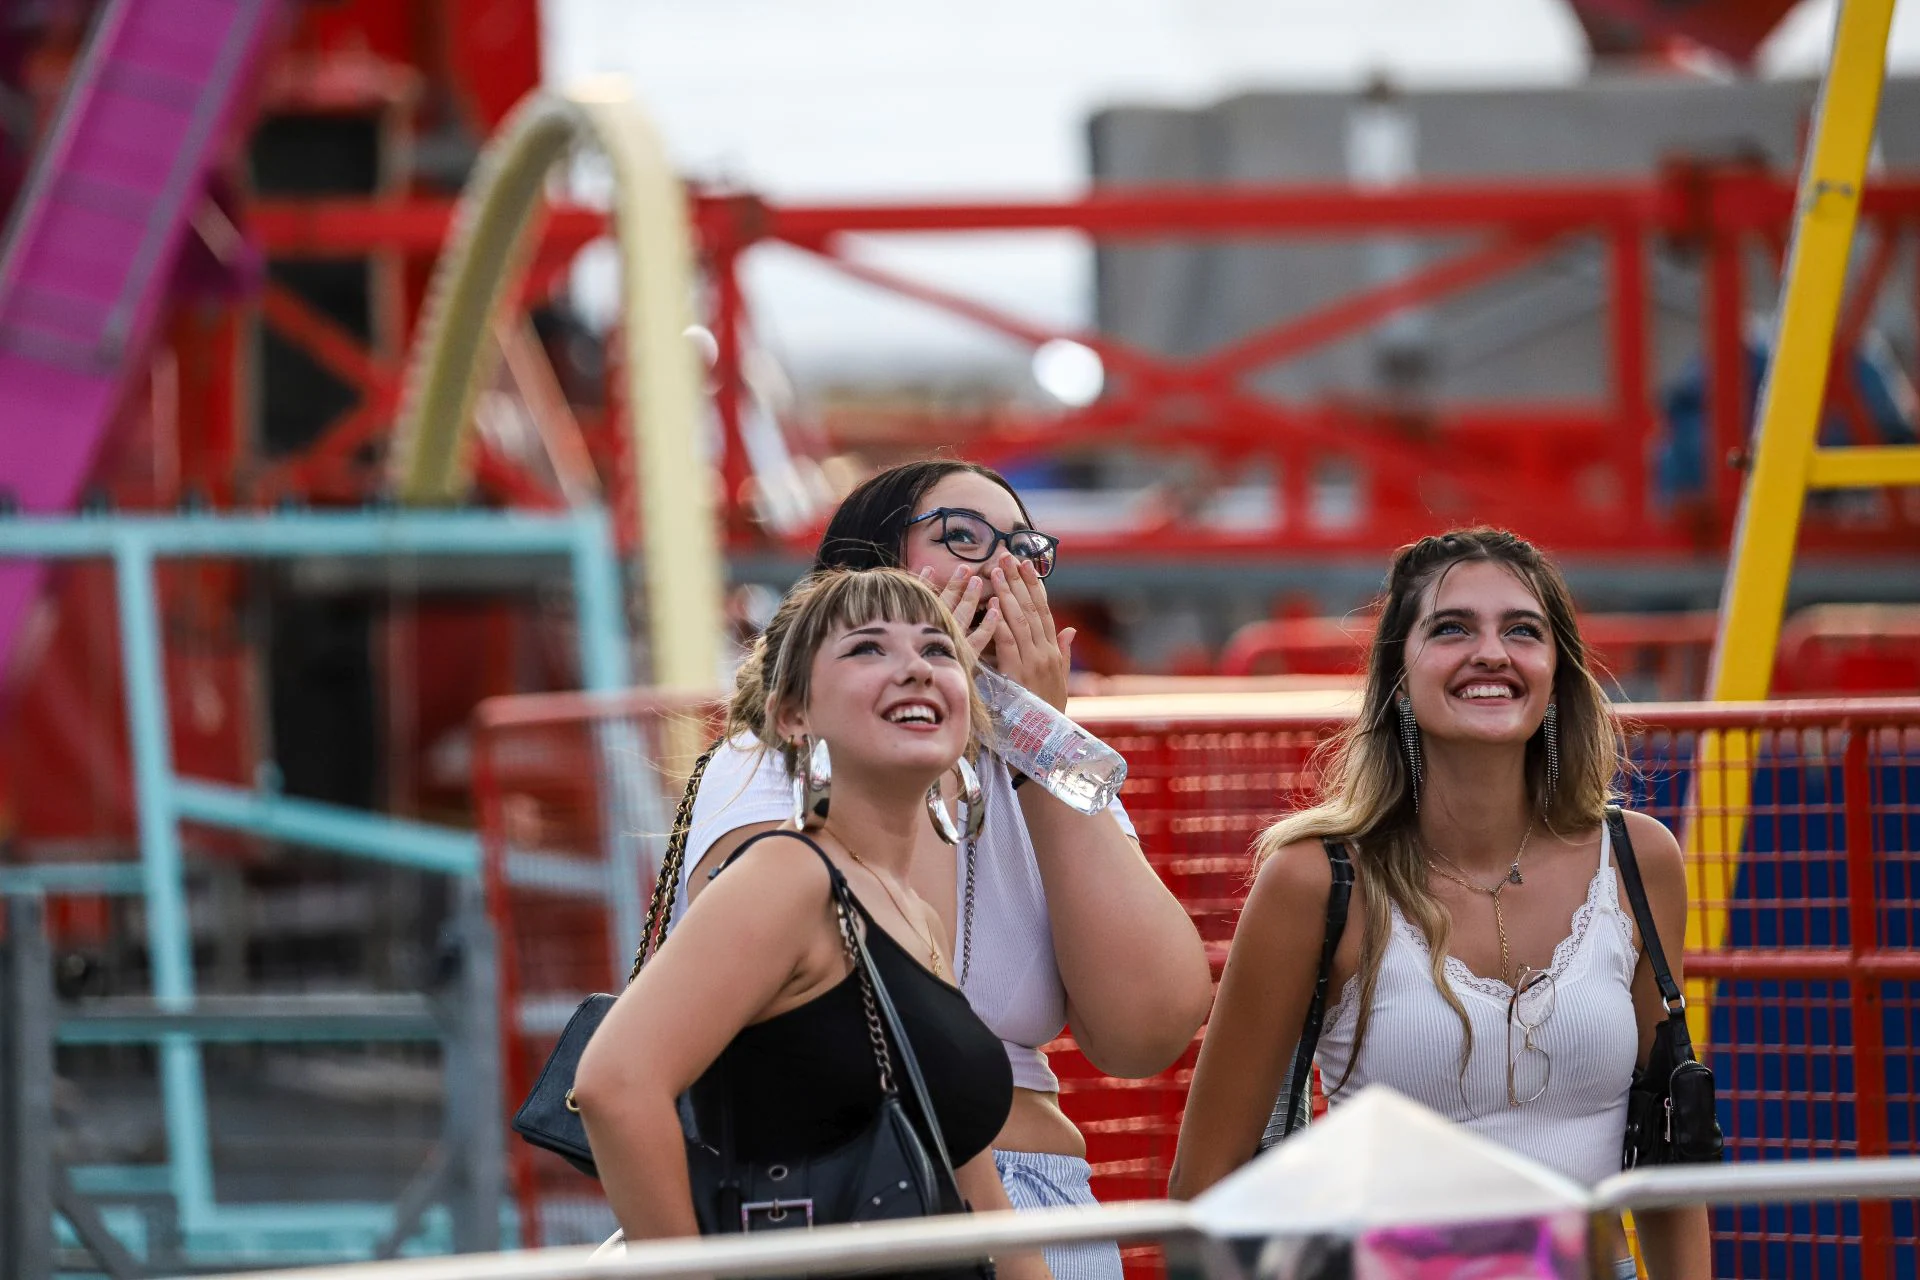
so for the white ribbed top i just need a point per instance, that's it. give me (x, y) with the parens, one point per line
(1012, 981)
(1414, 1039)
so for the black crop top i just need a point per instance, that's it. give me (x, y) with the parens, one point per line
(805, 1082)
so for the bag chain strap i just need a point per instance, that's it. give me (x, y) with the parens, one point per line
(966, 918)
(668, 883)
(867, 1002)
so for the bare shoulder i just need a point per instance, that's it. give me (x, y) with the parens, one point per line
(779, 874)
(1292, 884)
(719, 851)
(1655, 849)
(1663, 869)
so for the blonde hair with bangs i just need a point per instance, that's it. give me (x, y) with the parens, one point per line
(778, 671)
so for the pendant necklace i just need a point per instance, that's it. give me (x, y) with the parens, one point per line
(934, 962)
(1513, 876)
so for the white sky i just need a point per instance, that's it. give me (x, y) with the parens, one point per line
(905, 99)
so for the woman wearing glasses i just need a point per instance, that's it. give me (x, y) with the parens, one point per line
(1054, 917)
(1490, 967)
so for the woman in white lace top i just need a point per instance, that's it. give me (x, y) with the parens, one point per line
(1489, 967)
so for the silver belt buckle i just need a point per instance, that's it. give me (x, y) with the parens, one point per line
(777, 1211)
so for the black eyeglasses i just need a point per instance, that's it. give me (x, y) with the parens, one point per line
(968, 536)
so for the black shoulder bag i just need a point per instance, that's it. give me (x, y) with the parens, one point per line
(1670, 1106)
(1295, 1103)
(883, 1173)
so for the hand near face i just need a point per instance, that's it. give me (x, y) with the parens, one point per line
(963, 593)
(1027, 648)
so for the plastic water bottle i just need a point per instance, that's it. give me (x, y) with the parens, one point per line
(1083, 772)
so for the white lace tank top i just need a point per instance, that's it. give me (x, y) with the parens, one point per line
(1591, 1036)
(1011, 979)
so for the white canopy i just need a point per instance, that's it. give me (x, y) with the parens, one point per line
(1382, 1160)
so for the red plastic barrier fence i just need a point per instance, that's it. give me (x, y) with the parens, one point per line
(1813, 928)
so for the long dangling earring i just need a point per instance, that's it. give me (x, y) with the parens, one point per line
(971, 797)
(1410, 747)
(1551, 728)
(813, 785)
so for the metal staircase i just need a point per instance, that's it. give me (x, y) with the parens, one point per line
(94, 237)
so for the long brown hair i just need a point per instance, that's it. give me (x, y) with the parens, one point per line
(1367, 796)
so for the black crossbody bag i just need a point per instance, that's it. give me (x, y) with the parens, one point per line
(884, 1173)
(1295, 1103)
(1671, 1117)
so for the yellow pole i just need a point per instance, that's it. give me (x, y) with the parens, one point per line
(1790, 402)
(455, 352)
(1785, 461)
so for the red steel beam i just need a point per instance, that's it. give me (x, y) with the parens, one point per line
(1118, 356)
(1816, 966)
(1369, 307)
(1732, 200)
(345, 226)
(326, 467)
(336, 348)
(1326, 209)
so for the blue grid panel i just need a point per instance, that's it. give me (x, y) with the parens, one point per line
(1788, 1089)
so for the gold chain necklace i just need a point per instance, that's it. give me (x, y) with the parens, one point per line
(933, 950)
(1513, 876)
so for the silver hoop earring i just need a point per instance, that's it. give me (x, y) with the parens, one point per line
(813, 785)
(1410, 747)
(971, 799)
(1551, 728)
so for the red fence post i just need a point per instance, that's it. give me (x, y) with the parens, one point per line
(1863, 986)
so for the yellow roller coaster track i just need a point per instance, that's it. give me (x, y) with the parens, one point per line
(454, 354)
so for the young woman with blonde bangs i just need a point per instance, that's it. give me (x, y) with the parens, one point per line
(1490, 967)
(753, 1008)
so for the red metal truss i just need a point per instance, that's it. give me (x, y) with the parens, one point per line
(1519, 464)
